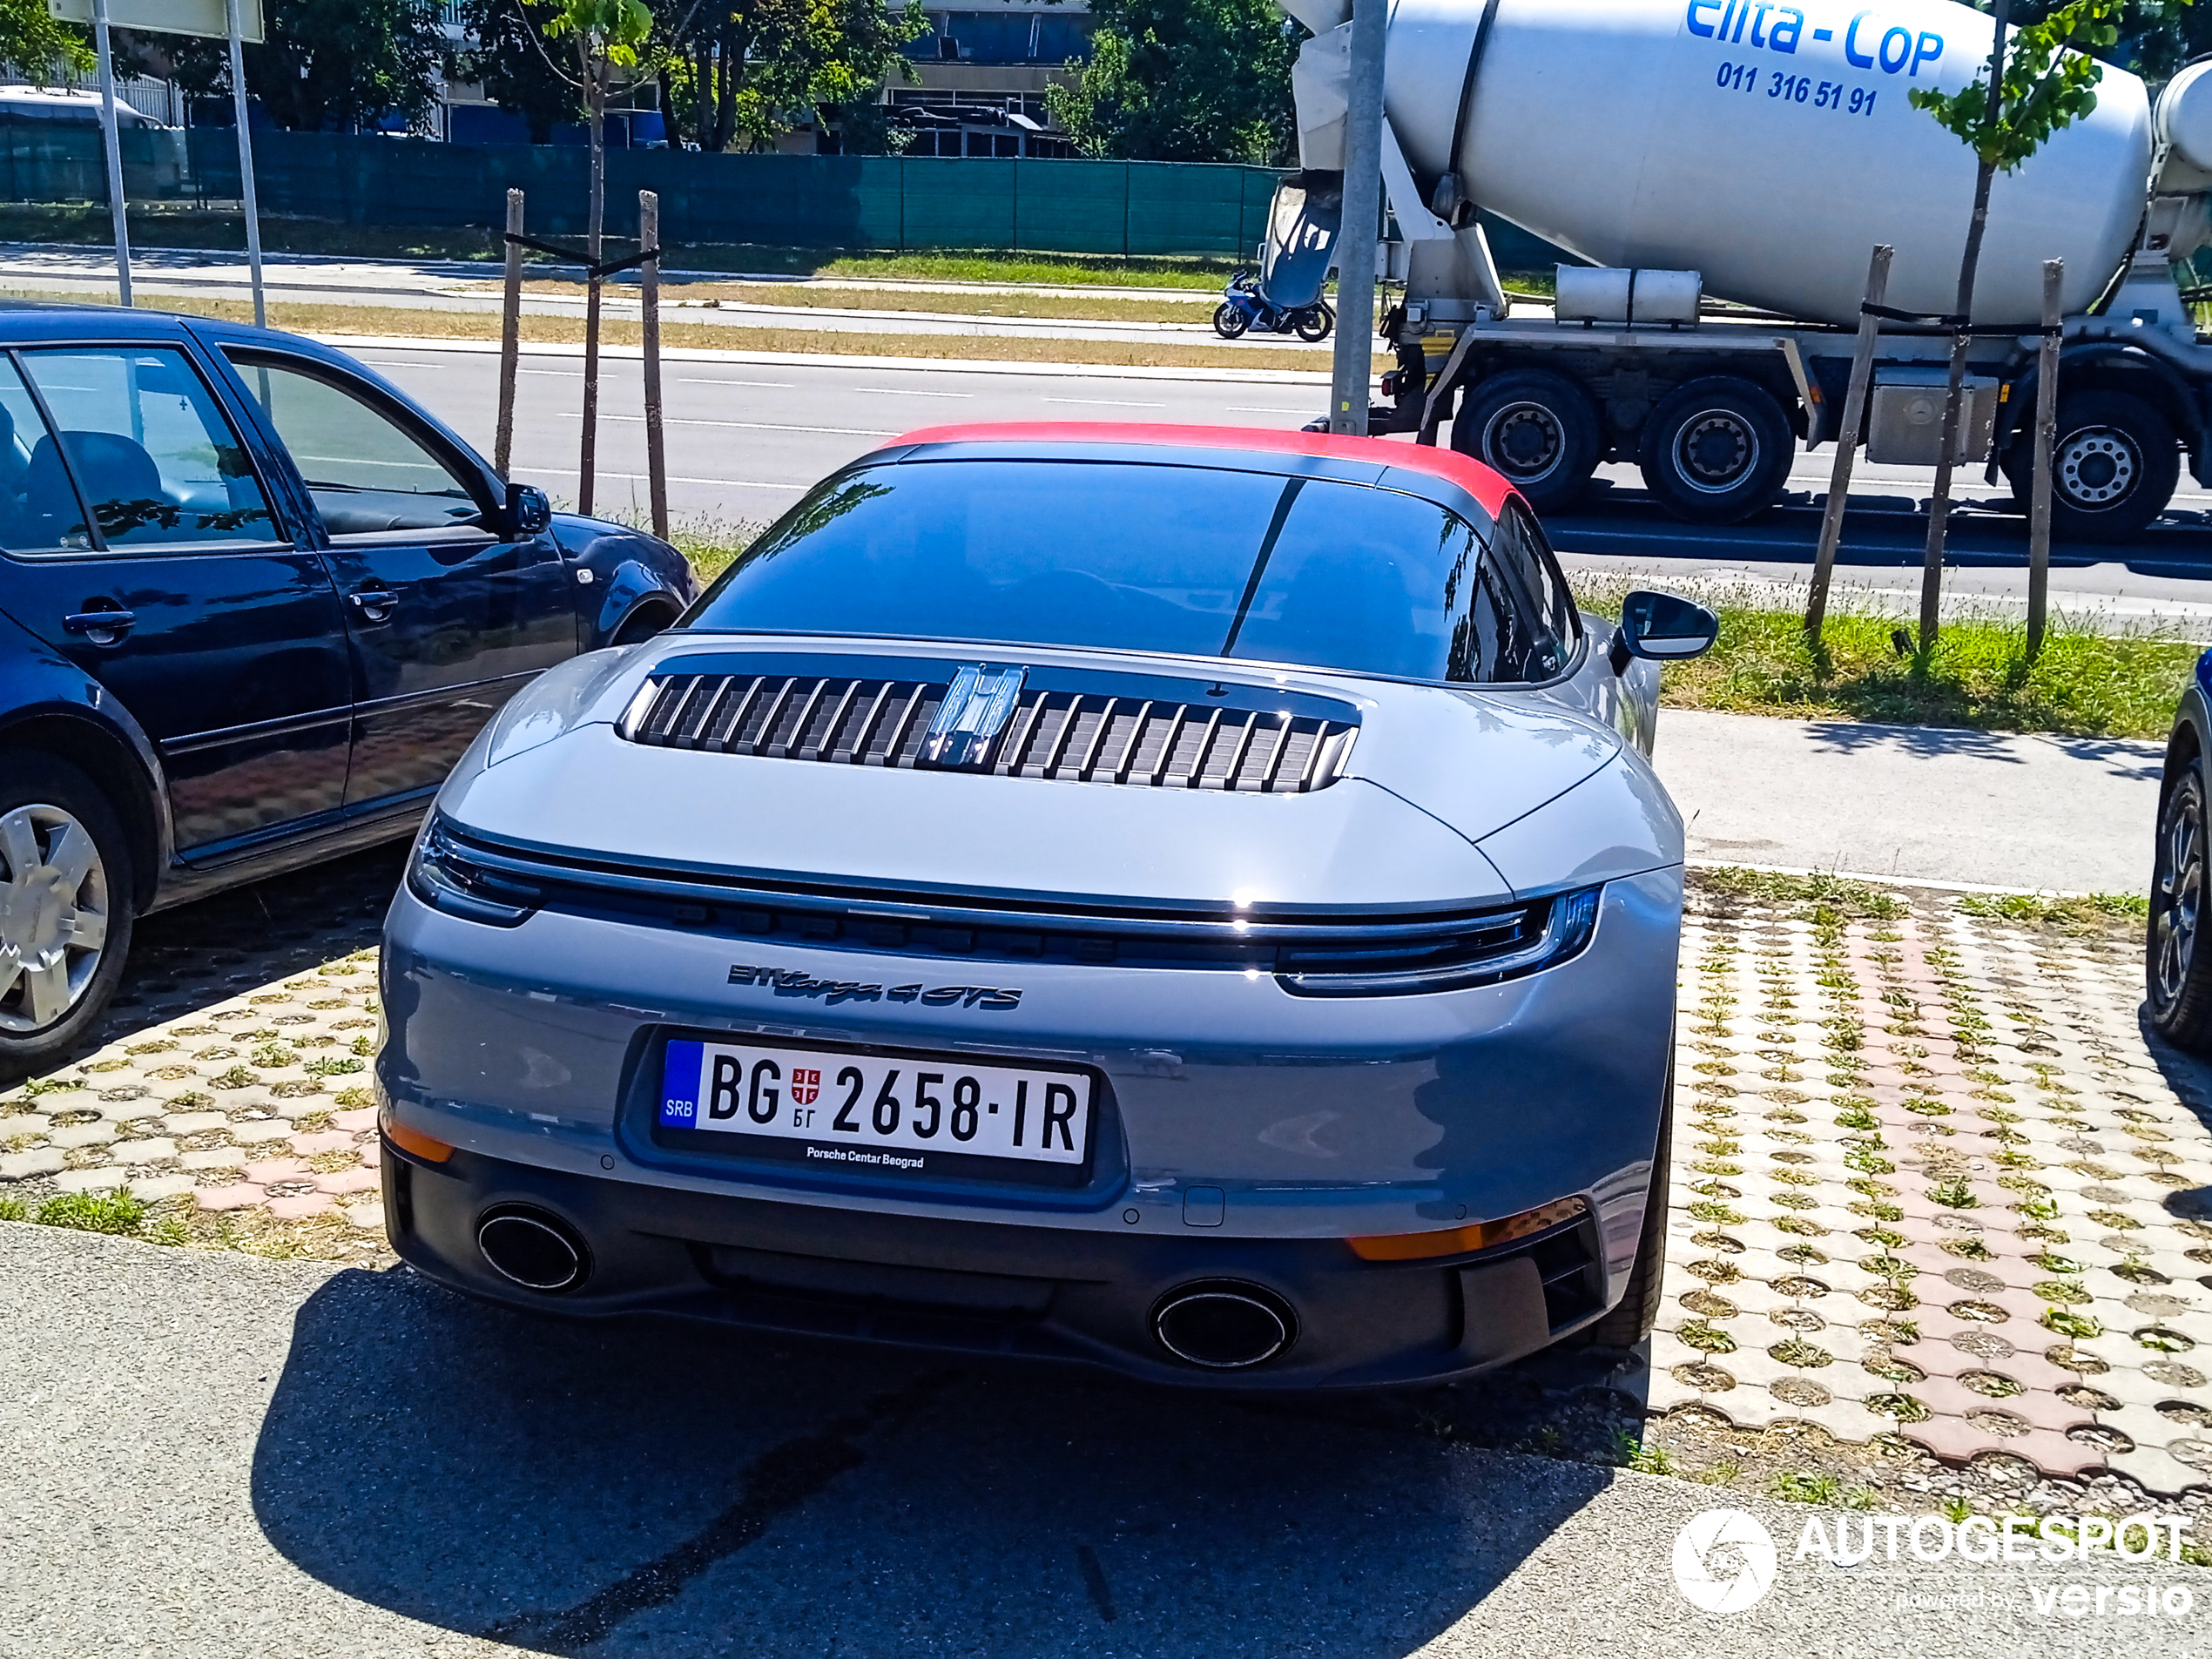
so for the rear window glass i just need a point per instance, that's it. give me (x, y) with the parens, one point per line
(1192, 560)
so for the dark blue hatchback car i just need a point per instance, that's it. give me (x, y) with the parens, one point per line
(253, 605)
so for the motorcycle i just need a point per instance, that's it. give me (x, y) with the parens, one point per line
(1243, 308)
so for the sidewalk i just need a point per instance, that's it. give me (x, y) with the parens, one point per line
(443, 286)
(1914, 803)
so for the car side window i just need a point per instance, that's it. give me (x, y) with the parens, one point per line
(368, 474)
(39, 511)
(1518, 553)
(147, 449)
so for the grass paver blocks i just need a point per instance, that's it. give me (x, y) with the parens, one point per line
(1930, 1178)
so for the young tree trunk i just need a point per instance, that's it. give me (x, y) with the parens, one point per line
(1939, 505)
(594, 94)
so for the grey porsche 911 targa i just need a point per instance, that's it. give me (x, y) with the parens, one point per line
(1190, 901)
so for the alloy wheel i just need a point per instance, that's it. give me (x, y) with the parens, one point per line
(53, 915)
(2177, 898)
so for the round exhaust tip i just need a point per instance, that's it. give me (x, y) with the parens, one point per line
(1224, 1324)
(536, 1251)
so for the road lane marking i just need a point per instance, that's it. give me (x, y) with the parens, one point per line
(900, 391)
(1106, 402)
(641, 477)
(772, 386)
(747, 426)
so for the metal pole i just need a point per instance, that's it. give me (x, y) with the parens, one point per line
(2047, 433)
(510, 330)
(116, 203)
(1354, 361)
(1862, 369)
(587, 460)
(649, 279)
(245, 163)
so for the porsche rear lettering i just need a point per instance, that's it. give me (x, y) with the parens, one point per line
(791, 982)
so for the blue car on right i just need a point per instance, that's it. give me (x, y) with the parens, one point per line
(2177, 967)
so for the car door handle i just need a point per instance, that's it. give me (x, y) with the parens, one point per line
(100, 627)
(373, 604)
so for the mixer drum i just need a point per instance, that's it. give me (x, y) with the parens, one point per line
(1767, 146)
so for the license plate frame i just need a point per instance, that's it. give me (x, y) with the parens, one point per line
(731, 1127)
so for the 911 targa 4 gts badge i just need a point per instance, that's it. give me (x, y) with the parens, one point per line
(792, 982)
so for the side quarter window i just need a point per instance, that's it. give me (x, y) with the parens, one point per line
(1519, 553)
(368, 474)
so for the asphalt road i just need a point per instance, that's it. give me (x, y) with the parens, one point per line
(211, 1454)
(745, 438)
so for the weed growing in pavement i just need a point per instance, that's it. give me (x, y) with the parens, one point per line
(1846, 900)
(93, 1212)
(1798, 1485)
(1956, 1194)
(14, 1209)
(1645, 1459)
(2079, 913)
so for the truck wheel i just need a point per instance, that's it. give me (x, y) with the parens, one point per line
(1538, 431)
(1230, 320)
(1716, 450)
(2177, 950)
(65, 893)
(2114, 465)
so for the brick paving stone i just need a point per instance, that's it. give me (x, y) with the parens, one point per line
(152, 1188)
(102, 1180)
(340, 1181)
(22, 1166)
(367, 1216)
(331, 1140)
(243, 1195)
(214, 1158)
(293, 1206)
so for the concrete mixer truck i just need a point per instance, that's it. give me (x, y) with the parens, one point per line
(1727, 166)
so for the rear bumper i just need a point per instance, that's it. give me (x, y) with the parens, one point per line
(988, 1287)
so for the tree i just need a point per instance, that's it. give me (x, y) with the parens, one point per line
(506, 56)
(34, 42)
(741, 73)
(1185, 80)
(2039, 83)
(330, 64)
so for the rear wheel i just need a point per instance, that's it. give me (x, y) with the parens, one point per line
(1230, 320)
(1716, 450)
(1314, 322)
(2114, 465)
(1630, 1322)
(2177, 967)
(1539, 430)
(65, 893)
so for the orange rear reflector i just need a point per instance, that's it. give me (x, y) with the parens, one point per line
(1458, 1241)
(414, 1142)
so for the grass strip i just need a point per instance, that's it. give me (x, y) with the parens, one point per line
(2087, 682)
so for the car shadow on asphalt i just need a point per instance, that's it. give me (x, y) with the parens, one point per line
(649, 1488)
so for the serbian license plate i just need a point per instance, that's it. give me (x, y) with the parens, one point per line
(889, 1113)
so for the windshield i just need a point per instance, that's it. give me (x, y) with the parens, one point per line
(1192, 560)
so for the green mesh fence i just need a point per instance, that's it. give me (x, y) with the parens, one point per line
(855, 202)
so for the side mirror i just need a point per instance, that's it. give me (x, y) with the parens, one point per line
(1663, 628)
(528, 509)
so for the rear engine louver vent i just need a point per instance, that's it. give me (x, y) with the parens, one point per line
(1069, 736)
